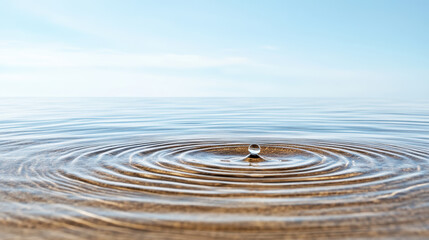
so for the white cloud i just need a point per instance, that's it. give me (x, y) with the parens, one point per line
(43, 70)
(118, 83)
(269, 47)
(54, 57)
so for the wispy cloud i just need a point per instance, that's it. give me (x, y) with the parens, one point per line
(55, 70)
(269, 47)
(68, 57)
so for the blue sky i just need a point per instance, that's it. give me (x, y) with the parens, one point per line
(138, 48)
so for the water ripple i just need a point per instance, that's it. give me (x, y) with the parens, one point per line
(210, 185)
(177, 176)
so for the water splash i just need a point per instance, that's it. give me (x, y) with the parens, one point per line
(143, 171)
(254, 149)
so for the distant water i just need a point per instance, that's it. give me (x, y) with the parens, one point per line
(177, 169)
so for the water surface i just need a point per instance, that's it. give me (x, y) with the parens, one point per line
(176, 168)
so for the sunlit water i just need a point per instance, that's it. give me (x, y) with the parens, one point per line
(181, 169)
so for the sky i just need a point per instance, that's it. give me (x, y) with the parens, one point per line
(214, 48)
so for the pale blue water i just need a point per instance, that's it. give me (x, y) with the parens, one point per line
(220, 118)
(175, 167)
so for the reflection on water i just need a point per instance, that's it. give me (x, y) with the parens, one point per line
(181, 169)
(254, 149)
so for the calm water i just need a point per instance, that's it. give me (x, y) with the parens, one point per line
(178, 169)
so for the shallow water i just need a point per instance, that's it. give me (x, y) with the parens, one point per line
(177, 169)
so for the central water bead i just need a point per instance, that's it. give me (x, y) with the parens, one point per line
(254, 149)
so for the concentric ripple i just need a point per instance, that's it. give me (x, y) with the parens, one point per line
(180, 169)
(193, 187)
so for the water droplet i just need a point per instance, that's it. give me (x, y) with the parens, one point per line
(254, 149)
